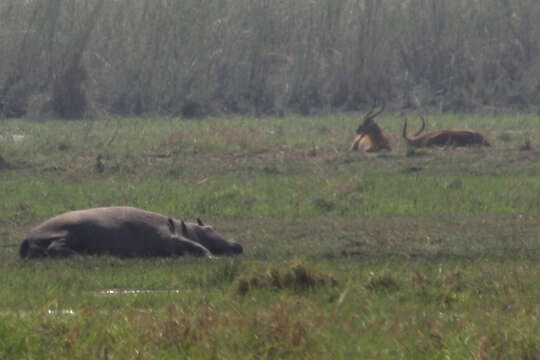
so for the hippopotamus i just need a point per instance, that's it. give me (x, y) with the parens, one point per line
(125, 232)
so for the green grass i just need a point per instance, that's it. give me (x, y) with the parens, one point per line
(385, 308)
(265, 195)
(347, 255)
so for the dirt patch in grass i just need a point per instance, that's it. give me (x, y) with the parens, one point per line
(380, 236)
(291, 160)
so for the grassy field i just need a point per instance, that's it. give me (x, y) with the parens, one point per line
(347, 255)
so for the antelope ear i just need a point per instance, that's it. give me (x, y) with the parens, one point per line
(171, 226)
(200, 222)
(184, 228)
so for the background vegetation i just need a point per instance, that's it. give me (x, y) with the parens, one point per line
(193, 57)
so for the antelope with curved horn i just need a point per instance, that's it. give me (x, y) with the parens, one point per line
(369, 136)
(456, 137)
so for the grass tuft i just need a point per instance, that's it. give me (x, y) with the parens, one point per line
(526, 146)
(296, 276)
(385, 283)
(4, 165)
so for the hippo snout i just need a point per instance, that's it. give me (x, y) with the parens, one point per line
(237, 249)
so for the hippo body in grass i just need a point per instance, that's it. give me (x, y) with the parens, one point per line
(125, 232)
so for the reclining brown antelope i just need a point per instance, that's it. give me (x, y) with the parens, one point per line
(456, 137)
(370, 137)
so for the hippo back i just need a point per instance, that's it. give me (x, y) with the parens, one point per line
(120, 231)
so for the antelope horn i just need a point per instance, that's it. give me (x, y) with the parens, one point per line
(368, 115)
(380, 111)
(423, 125)
(405, 128)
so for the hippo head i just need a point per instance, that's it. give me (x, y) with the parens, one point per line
(186, 244)
(209, 238)
(31, 250)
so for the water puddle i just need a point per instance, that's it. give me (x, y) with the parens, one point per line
(109, 292)
(51, 312)
(13, 137)
(69, 312)
(60, 312)
(105, 292)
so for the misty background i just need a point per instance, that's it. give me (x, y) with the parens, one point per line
(77, 58)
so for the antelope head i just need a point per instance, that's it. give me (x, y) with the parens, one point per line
(369, 135)
(367, 124)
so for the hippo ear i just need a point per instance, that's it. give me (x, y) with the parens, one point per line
(171, 226)
(184, 229)
(200, 222)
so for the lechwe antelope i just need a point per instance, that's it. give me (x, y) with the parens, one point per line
(456, 137)
(369, 136)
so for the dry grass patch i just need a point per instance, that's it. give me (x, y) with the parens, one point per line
(385, 283)
(296, 276)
